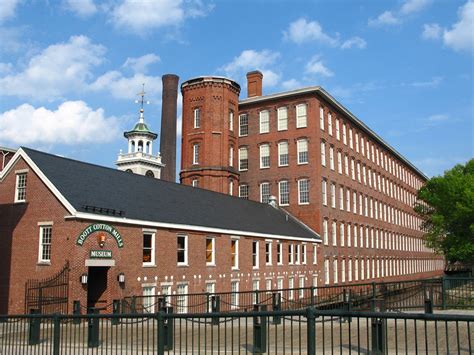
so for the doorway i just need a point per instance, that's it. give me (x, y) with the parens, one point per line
(97, 287)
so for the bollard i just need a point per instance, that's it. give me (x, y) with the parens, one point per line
(115, 310)
(378, 336)
(260, 331)
(35, 328)
(93, 329)
(215, 307)
(276, 306)
(167, 329)
(76, 309)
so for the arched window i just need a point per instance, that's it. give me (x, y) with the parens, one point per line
(133, 146)
(129, 171)
(140, 146)
(149, 173)
(148, 148)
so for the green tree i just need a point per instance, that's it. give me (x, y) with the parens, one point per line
(446, 206)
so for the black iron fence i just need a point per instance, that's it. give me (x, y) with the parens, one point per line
(440, 293)
(308, 331)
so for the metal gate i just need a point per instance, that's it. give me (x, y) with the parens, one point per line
(49, 295)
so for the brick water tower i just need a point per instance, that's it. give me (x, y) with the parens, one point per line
(210, 137)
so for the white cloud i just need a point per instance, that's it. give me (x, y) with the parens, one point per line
(431, 31)
(438, 118)
(461, 35)
(354, 42)
(73, 122)
(301, 31)
(140, 64)
(316, 66)
(57, 70)
(148, 15)
(434, 82)
(5, 68)
(291, 84)
(7, 9)
(82, 8)
(412, 6)
(385, 18)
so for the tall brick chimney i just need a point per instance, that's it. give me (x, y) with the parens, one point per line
(254, 83)
(168, 126)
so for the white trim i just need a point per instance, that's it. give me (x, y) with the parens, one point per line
(187, 227)
(22, 171)
(99, 262)
(50, 223)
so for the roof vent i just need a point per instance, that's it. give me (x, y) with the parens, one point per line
(272, 201)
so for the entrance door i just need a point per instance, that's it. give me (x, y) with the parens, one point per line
(97, 287)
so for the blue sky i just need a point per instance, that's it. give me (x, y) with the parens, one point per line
(70, 70)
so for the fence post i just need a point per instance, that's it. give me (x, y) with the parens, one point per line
(276, 306)
(161, 334)
(56, 334)
(115, 310)
(93, 329)
(378, 336)
(216, 307)
(312, 295)
(35, 328)
(310, 329)
(260, 331)
(167, 328)
(76, 309)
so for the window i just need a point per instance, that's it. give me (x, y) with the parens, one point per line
(46, 234)
(268, 253)
(291, 286)
(182, 250)
(231, 156)
(357, 142)
(244, 191)
(195, 183)
(338, 132)
(303, 191)
(20, 191)
(279, 253)
(234, 297)
(315, 254)
(302, 149)
(301, 118)
(334, 269)
(324, 192)
(264, 121)
(344, 134)
(166, 291)
(346, 165)
(197, 117)
(255, 254)
(264, 156)
(264, 192)
(331, 157)
(231, 120)
(291, 248)
(148, 299)
(348, 200)
(321, 118)
(341, 198)
(325, 231)
(231, 187)
(326, 271)
(351, 143)
(148, 249)
(303, 254)
(243, 125)
(282, 118)
(352, 169)
(330, 123)
(284, 190)
(243, 158)
(333, 195)
(195, 153)
(342, 234)
(283, 154)
(343, 270)
(323, 154)
(234, 253)
(301, 287)
(210, 251)
(182, 299)
(333, 233)
(339, 162)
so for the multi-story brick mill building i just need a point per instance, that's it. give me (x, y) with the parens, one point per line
(325, 166)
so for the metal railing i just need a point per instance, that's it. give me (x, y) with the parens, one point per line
(443, 293)
(308, 331)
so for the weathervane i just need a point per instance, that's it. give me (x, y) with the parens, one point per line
(142, 100)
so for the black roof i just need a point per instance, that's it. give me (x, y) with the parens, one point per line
(100, 190)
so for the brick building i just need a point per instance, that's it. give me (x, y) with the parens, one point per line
(325, 166)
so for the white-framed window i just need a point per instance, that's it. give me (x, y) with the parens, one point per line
(341, 198)
(195, 153)
(353, 169)
(284, 192)
(280, 285)
(326, 271)
(243, 125)
(339, 162)
(351, 142)
(348, 200)
(234, 253)
(244, 191)
(282, 114)
(243, 158)
(264, 121)
(333, 195)
(291, 254)
(148, 249)
(268, 253)
(45, 239)
(264, 156)
(195, 183)
(362, 146)
(343, 270)
(234, 297)
(166, 292)
(231, 120)
(182, 249)
(331, 157)
(301, 287)
(264, 192)
(303, 191)
(291, 286)
(279, 253)
(255, 254)
(333, 233)
(334, 269)
(302, 149)
(349, 238)
(20, 187)
(338, 132)
(344, 134)
(342, 236)
(182, 299)
(231, 156)
(283, 153)
(323, 153)
(357, 142)
(346, 164)
(324, 184)
(231, 187)
(330, 123)
(321, 118)
(148, 299)
(197, 117)
(303, 254)
(356, 269)
(301, 116)
(210, 251)
(210, 289)
(315, 254)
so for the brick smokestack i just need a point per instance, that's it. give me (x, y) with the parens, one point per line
(168, 126)
(254, 83)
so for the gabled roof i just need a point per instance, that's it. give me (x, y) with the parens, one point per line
(102, 192)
